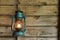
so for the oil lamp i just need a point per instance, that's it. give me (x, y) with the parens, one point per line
(18, 24)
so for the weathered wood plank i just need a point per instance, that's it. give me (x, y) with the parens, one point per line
(39, 10)
(47, 39)
(5, 31)
(41, 31)
(21, 38)
(7, 2)
(7, 10)
(5, 20)
(7, 38)
(30, 10)
(32, 21)
(37, 2)
(42, 21)
(31, 31)
(29, 2)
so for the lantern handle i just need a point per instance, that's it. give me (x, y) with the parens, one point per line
(24, 23)
(13, 23)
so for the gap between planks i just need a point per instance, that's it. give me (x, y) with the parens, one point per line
(29, 5)
(30, 37)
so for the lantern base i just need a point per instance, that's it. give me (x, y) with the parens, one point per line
(18, 33)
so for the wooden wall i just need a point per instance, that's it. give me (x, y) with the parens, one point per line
(41, 19)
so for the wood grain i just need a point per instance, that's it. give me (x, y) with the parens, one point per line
(41, 21)
(47, 38)
(7, 2)
(32, 21)
(37, 38)
(5, 31)
(39, 10)
(21, 38)
(5, 20)
(7, 10)
(37, 2)
(32, 31)
(30, 10)
(41, 31)
(7, 38)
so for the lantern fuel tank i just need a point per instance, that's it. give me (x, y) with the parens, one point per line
(18, 24)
